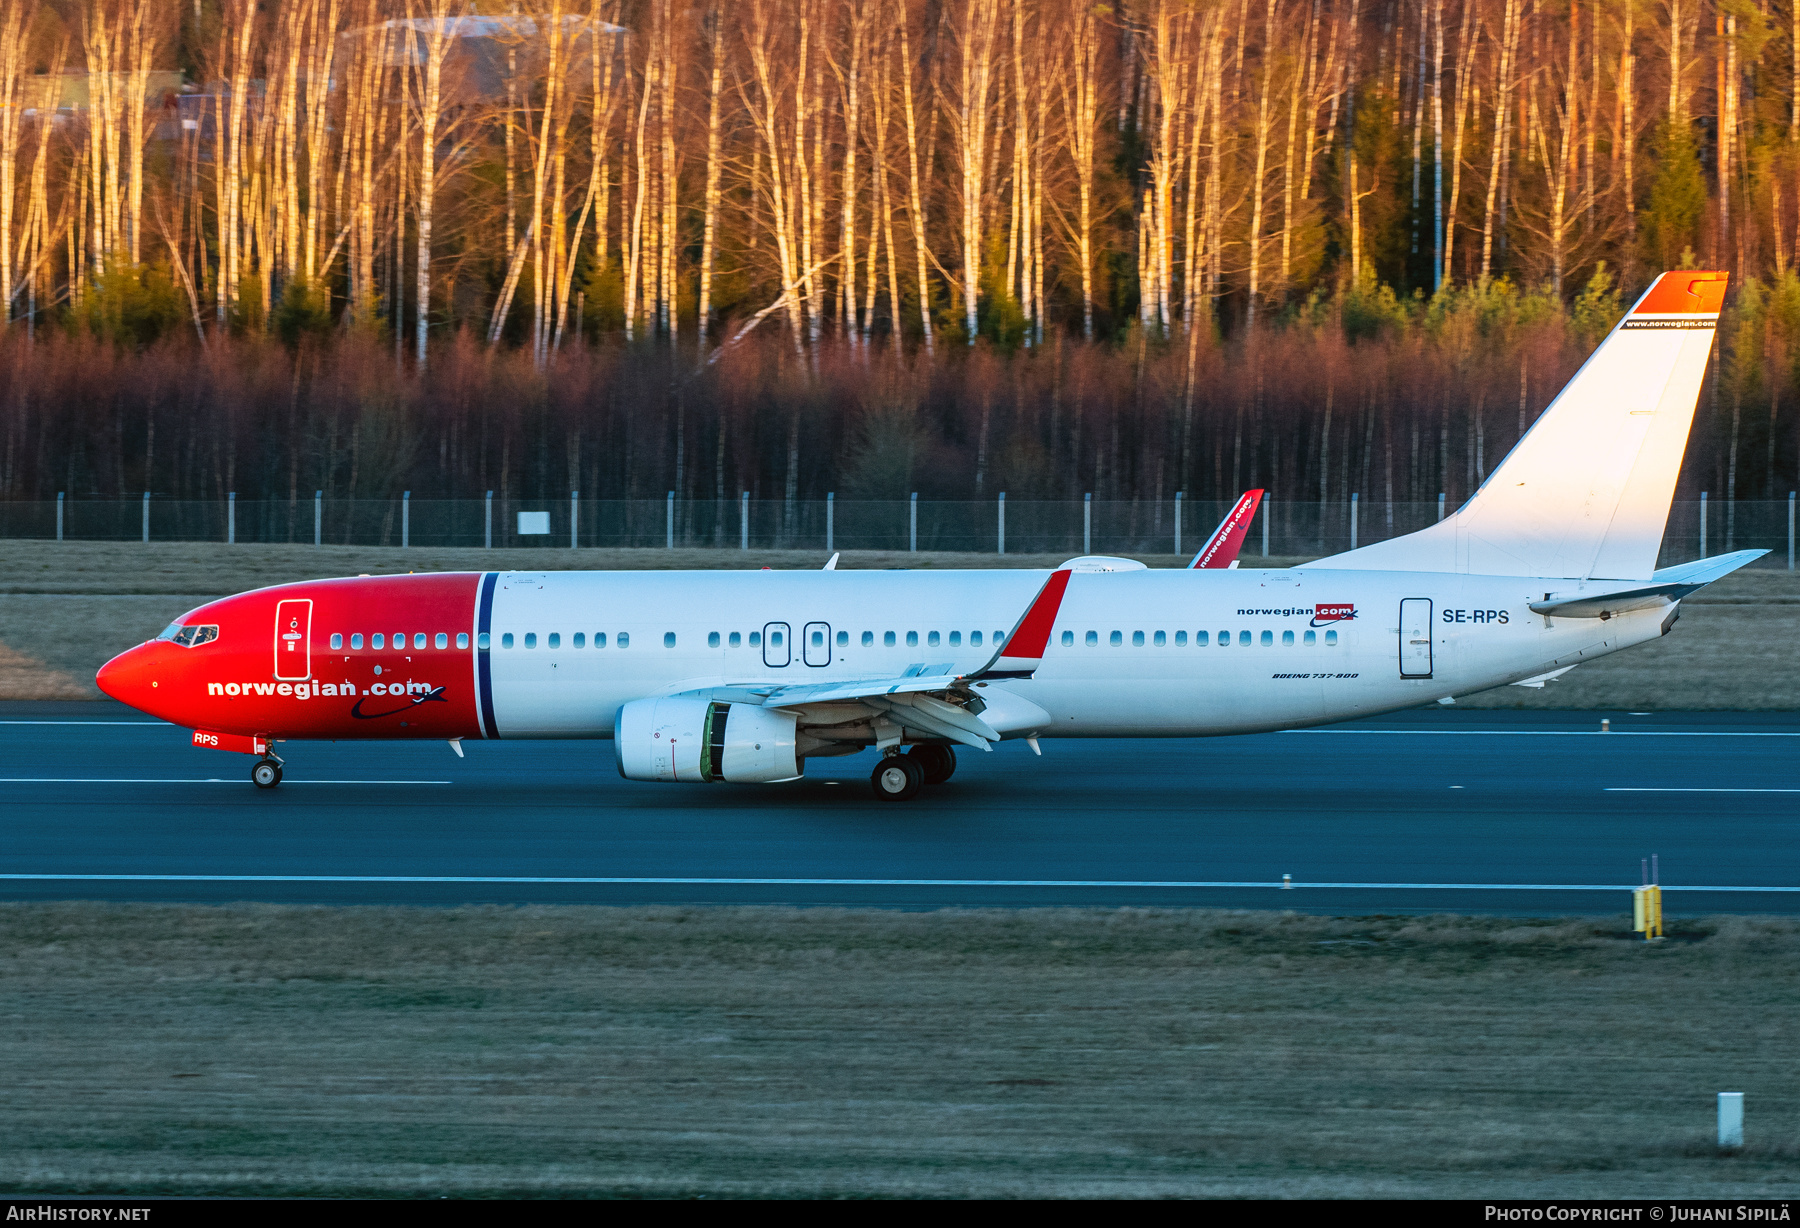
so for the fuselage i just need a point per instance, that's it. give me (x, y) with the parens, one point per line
(555, 654)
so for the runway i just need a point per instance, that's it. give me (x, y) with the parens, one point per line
(1443, 809)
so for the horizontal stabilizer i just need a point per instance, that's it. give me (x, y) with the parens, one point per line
(1667, 586)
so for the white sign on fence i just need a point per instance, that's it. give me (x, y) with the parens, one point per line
(533, 522)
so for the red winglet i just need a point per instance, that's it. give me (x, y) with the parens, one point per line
(1023, 650)
(1221, 549)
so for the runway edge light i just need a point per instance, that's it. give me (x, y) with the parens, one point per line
(1646, 902)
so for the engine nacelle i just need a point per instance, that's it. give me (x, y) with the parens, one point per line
(694, 741)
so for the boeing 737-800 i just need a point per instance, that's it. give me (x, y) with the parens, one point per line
(743, 676)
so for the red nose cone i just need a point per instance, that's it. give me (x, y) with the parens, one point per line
(127, 677)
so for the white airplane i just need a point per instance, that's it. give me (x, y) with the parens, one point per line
(742, 677)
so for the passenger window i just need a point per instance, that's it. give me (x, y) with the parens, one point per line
(531, 639)
(555, 640)
(1268, 639)
(1116, 639)
(1093, 639)
(668, 639)
(1201, 639)
(1225, 638)
(887, 639)
(462, 639)
(998, 636)
(1312, 637)
(912, 639)
(956, 639)
(624, 639)
(756, 639)
(377, 640)
(734, 640)
(1181, 639)
(418, 639)
(482, 641)
(599, 639)
(356, 640)
(1243, 639)
(1068, 639)
(975, 638)
(775, 640)
(578, 640)
(1330, 638)
(712, 639)
(1160, 639)
(868, 639)
(843, 639)
(931, 640)
(399, 641)
(337, 640)
(443, 641)
(506, 640)
(818, 639)
(1137, 639)
(1287, 639)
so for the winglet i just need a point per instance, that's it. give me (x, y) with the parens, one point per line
(1221, 549)
(831, 565)
(1020, 653)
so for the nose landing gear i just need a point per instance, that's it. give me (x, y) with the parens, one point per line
(266, 774)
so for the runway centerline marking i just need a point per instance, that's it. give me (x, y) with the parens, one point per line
(1645, 789)
(513, 880)
(1545, 733)
(194, 780)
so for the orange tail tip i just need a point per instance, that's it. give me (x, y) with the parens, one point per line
(1685, 292)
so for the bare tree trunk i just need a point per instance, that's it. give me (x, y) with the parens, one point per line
(716, 27)
(915, 209)
(432, 48)
(971, 121)
(1502, 98)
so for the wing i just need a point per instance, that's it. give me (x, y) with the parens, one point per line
(931, 699)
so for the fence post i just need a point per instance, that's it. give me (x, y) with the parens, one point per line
(231, 518)
(1355, 504)
(405, 519)
(1440, 505)
(1003, 522)
(1790, 526)
(669, 522)
(1266, 504)
(60, 494)
(1087, 523)
(487, 537)
(1703, 524)
(830, 506)
(912, 530)
(318, 517)
(744, 520)
(146, 515)
(574, 518)
(1178, 522)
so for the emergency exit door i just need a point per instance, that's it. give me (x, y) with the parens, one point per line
(293, 640)
(1415, 637)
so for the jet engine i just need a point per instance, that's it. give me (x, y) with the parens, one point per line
(693, 741)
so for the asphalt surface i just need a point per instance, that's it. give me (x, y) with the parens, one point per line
(1439, 809)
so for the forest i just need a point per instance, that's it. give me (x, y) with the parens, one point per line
(787, 247)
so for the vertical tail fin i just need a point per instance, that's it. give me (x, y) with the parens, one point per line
(1586, 493)
(1221, 549)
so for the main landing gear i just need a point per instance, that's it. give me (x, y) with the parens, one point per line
(898, 778)
(266, 774)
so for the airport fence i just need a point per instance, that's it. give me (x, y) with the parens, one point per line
(1282, 528)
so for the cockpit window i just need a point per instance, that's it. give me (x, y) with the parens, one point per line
(190, 637)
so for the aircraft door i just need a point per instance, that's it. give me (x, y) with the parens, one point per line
(815, 649)
(776, 649)
(1415, 637)
(293, 640)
